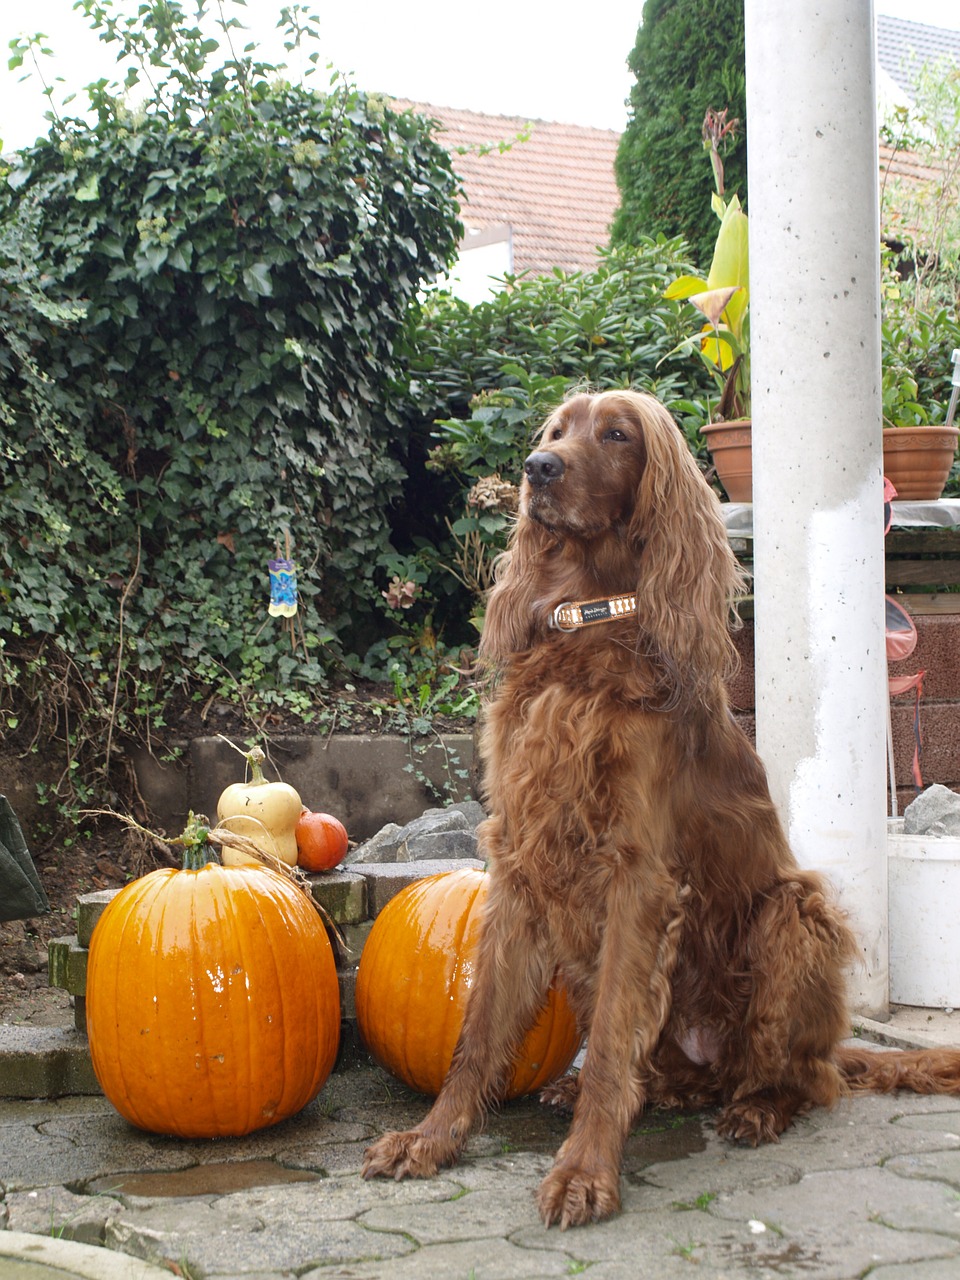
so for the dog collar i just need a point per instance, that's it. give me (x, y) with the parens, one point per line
(571, 616)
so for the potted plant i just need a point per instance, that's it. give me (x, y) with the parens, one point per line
(918, 445)
(723, 339)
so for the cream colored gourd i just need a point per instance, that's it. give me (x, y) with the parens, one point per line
(266, 812)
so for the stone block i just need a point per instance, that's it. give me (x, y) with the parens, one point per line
(342, 894)
(44, 1062)
(354, 939)
(90, 907)
(348, 986)
(67, 965)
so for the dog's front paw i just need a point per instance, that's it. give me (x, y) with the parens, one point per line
(752, 1121)
(403, 1155)
(572, 1197)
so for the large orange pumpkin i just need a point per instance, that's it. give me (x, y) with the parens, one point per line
(213, 1006)
(412, 984)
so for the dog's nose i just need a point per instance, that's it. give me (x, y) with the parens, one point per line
(543, 467)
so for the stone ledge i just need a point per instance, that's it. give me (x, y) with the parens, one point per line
(44, 1062)
(386, 879)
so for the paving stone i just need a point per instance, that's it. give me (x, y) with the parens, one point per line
(848, 1220)
(477, 1211)
(934, 1166)
(648, 1246)
(693, 1205)
(931, 1269)
(292, 1227)
(55, 1210)
(478, 1259)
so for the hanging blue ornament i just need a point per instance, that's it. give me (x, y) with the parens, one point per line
(283, 588)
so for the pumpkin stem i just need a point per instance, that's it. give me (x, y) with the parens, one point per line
(195, 843)
(254, 758)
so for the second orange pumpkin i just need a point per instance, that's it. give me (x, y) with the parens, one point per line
(415, 972)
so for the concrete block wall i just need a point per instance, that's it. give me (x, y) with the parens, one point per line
(363, 780)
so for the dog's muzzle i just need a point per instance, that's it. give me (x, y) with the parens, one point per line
(543, 467)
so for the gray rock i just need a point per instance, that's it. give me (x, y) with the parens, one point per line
(472, 810)
(936, 811)
(444, 833)
(379, 848)
(439, 844)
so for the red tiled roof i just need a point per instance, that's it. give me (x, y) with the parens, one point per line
(907, 165)
(556, 188)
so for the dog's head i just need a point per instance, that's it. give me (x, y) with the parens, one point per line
(613, 501)
(584, 476)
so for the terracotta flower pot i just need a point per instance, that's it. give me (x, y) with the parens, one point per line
(917, 460)
(731, 449)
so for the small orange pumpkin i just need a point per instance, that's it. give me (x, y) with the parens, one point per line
(213, 1006)
(321, 841)
(415, 971)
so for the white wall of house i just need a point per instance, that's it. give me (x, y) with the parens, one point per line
(485, 258)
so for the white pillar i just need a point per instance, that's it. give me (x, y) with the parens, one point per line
(814, 306)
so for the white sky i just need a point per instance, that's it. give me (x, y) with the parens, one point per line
(510, 57)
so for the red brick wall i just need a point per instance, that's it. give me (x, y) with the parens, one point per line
(938, 654)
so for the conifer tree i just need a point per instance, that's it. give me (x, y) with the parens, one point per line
(688, 56)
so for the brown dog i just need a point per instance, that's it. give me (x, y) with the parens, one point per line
(632, 843)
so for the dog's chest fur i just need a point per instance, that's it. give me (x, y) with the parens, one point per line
(569, 754)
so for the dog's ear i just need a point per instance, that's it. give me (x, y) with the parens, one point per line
(688, 576)
(515, 612)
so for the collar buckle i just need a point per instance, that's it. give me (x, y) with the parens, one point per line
(563, 617)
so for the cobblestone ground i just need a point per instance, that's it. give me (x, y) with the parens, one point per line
(872, 1188)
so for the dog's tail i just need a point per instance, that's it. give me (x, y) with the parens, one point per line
(925, 1071)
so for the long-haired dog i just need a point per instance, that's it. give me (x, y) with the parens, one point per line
(632, 843)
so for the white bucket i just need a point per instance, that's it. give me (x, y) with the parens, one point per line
(924, 913)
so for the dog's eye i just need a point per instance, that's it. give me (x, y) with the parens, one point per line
(615, 434)
(556, 433)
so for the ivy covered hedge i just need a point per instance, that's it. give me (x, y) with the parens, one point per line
(215, 345)
(200, 311)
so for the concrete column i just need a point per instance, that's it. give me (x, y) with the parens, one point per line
(814, 285)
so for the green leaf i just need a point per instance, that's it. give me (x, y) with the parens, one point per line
(89, 190)
(257, 279)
